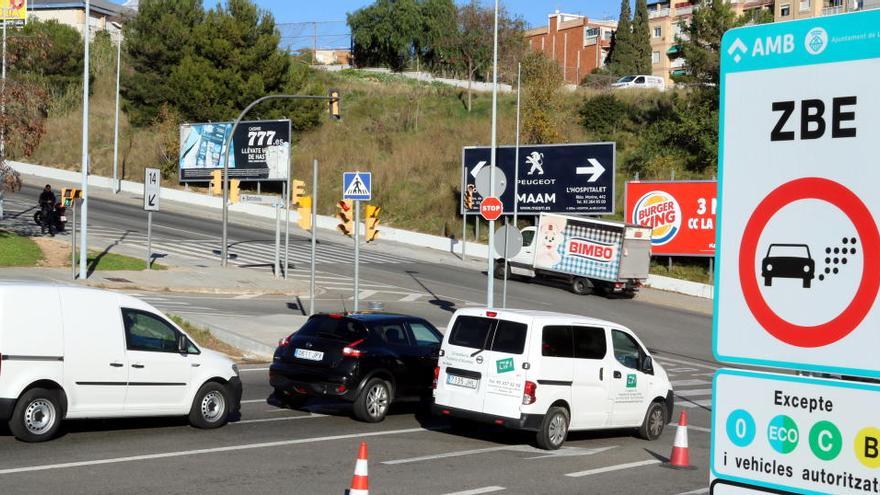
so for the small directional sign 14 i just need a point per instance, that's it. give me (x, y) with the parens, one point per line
(151, 189)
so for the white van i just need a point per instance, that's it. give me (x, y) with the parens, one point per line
(549, 373)
(70, 353)
(640, 82)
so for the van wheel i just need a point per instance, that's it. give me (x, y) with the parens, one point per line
(499, 270)
(553, 430)
(581, 286)
(210, 408)
(37, 415)
(655, 421)
(372, 403)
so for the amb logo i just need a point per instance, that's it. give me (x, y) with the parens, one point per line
(662, 213)
(591, 250)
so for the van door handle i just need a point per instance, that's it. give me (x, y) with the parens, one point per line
(601, 374)
(617, 374)
(116, 365)
(138, 366)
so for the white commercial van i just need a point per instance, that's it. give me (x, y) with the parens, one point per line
(549, 373)
(70, 353)
(640, 82)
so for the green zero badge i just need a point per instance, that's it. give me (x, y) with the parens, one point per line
(631, 380)
(504, 365)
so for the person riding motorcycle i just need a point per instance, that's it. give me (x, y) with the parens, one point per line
(47, 208)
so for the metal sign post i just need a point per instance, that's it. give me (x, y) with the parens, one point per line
(277, 240)
(357, 186)
(357, 253)
(73, 266)
(515, 185)
(84, 233)
(152, 187)
(314, 236)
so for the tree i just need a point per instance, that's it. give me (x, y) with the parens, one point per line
(603, 115)
(542, 85)
(387, 33)
(49, 53)
(701, 44)
(437, 43)
(641, 39)
(622, 54)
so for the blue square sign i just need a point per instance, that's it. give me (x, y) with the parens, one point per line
(357, 186)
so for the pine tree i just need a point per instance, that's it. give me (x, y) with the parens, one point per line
(622, 56)
(641, 38)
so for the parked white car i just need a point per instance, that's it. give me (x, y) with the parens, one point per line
(551, 373)
(72, 353)
(640, 82)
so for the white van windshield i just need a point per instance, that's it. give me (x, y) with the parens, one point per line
(626, 79)
(487, 333)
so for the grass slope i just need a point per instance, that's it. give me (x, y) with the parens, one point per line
(16, 250)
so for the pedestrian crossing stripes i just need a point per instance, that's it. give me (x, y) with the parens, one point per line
(691, 382)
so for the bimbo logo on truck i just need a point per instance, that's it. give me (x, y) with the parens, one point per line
(591, 250)
(661, 212)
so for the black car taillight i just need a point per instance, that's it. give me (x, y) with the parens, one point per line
(284, 342)
(351, 349)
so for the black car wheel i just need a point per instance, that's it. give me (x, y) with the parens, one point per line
(655, 420)
(581, 286)
(210, 408)
(371, 405)
(554, 429)
(768, 281)
(37, 415)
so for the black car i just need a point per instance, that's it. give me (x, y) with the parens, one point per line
(788, 261)
(369, 359)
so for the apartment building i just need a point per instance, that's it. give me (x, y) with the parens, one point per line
(667, 18)
(103, 14)
(578, 44)
(787, 10)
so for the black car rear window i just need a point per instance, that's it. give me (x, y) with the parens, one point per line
(470, 331)
(327, 327)
(492, 334)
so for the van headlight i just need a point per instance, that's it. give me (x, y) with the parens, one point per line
(235, 369)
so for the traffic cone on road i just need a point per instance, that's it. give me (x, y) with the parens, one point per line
(680, 458)
(360, 483)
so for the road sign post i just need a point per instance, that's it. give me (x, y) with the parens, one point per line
(314, 236)
(152, 187)
(357, 187)
(798, 265)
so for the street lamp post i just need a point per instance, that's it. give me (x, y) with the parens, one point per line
(83, 239)
(490, 291)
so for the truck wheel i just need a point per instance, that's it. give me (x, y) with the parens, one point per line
(655, 420)
(554, 428)
(807, 283)
(210, 408)
(768, 281)
(37, 415)
(581, 286)
(499, 270)
(371, 405)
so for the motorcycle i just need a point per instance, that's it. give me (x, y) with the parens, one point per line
(60, 217)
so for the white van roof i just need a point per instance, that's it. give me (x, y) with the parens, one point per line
(7, 286)
(538, 315)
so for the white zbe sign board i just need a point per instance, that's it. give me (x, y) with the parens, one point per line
(799, 193)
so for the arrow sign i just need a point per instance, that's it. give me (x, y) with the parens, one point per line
(595, 168)
(152, 200)
(477, 169)
(152, 178)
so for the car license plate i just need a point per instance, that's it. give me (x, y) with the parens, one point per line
(307, 354)
(63, 218)
(461, 381)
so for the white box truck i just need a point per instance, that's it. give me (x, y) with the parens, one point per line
(587, 253)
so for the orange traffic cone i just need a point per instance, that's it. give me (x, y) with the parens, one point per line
(360, 483)
(680, 458)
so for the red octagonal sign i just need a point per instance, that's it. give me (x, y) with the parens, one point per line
(491, 208)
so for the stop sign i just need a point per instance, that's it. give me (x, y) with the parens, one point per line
(491, 208)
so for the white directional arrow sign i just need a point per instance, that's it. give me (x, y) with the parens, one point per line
(477, 169)
(152, 179)
(595, 170)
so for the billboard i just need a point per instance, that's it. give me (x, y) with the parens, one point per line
(576, 179)
(13, 12)
(681, 214)
(260, 150)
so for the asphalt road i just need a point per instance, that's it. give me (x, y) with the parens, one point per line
(313, 451)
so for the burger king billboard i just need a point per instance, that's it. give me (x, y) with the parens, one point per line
(681, 215)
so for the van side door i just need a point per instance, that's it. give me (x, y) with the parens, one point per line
(556, 370)
(590, 403)
(630, 384)
(159, 375)
(503, 368)
(95, 365)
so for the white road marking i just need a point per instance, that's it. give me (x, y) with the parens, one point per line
(253, 369)
(182, 453)
(699, 428)
(663, 359)
(682, 370)
(696, 492)
(608, 469)
(252, 401)
(246, 296)
(478, 491)
(694, 403)
(411, 298)
(688, 383)
(365, 294)
(269, 420)
(564, 452)
(693, 392)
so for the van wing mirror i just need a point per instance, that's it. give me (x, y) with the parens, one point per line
(648, 365)
(182, 344)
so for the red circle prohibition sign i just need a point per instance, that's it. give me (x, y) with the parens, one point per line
(841, 326)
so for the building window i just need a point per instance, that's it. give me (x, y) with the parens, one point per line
(655, 57)
(785, 10)
(591, 34)
(805, 5)
(658, 32)
(607, 34)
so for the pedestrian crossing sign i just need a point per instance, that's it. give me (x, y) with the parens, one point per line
(357, 186)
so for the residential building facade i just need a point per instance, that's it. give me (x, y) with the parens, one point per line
(788, 10)
(103, 14)
(578, 44)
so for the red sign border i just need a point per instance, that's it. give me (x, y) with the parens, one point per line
(847, 201)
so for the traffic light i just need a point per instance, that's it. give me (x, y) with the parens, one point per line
(372, 221)
(469, 197)
(297, 193)
(216, 187)
(334, 105)
(69, 195)
(346, 217)
(233, 191)
(305, 212)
